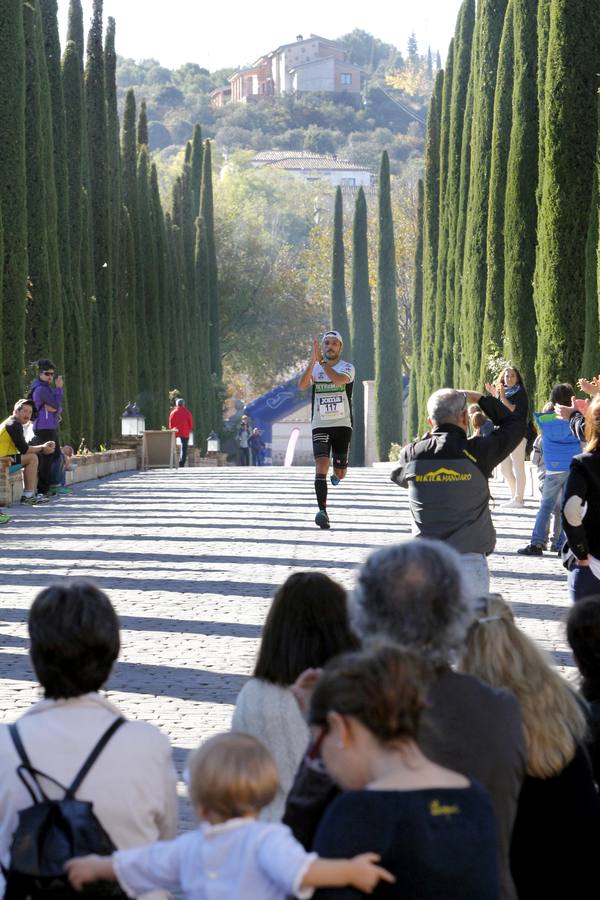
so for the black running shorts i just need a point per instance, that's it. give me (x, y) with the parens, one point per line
(333, 442)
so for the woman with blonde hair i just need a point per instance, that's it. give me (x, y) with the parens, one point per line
(558, 817)
(581, 510)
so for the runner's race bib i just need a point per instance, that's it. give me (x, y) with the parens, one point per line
(331, 406)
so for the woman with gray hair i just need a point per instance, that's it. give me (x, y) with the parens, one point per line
(413, 593)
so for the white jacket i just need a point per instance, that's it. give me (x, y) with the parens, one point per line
(132, 784)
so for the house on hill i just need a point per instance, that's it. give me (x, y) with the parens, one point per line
(316, 167)
(313, 64)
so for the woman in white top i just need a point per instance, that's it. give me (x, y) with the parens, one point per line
(306, 626)
(74, 634)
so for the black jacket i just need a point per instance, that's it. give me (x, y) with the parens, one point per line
(447, 474)
(581, 505)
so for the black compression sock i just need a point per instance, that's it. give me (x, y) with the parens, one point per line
(321, 490)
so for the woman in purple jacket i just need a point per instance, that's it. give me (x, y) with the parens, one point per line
(48, 400)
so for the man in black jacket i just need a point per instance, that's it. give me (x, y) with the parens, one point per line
(447, 474)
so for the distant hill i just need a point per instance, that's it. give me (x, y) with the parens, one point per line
(391, 114)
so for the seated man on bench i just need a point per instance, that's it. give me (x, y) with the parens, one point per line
(15, 448)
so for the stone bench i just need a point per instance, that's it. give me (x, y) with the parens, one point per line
(89, 467)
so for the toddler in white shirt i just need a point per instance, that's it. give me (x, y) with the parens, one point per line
(231, 855)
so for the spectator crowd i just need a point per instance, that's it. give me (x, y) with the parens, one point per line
(408, 740)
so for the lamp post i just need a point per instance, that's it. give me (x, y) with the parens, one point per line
(213, 444)
(133, 423)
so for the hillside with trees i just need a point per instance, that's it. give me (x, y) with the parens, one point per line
(390, 117)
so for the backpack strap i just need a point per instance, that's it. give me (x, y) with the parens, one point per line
(72, 790)
(27, 768)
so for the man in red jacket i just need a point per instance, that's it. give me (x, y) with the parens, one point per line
(181, 420)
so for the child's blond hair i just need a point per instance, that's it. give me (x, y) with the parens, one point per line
(232, 775)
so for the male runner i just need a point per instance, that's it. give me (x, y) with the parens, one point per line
(332, 381)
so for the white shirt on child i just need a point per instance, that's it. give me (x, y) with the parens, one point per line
(240, 859)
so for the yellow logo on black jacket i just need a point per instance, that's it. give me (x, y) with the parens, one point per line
(444, 474)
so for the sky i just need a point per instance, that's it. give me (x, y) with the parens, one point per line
(236, 32)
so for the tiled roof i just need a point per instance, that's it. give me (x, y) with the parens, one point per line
(278, 159)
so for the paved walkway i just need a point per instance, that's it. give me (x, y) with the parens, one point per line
(191, 559)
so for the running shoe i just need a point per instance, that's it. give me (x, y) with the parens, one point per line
(35, 500)
(322, 519)
(59, 490)
(334, 480)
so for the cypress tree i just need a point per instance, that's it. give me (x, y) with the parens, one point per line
(339, 313)
(441, 309)
(490, 19)
(388, 363)
(75, 28)
(54, 299)
(203, 393)
(13, 199)
(129, 153)
(207, 212)
(114, 203)
(521, 207)
(76, 313)
(463, 39)
(590, 363)
(416, 311)
(39, 312)
(88, 293)
(101, 224)
(148, 293)
(196, 170)
(65, 299)
(461, 218)
(543, 33)
(431, 209)
(163, 312)
(142, 132)
(493, 323)
(125, 348)
(571, 129)
(362, 325)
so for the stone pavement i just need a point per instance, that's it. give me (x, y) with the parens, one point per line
(191, 559)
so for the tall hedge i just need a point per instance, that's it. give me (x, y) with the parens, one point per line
(490, 21)
(416, 310)
(13, 199)
(362, 325)
(571, 129)
(99, 173)
(493, 323)
(521, 206)
(431, 211)
(441, 308)
(463, 40)
(388, 362)
(339, 312)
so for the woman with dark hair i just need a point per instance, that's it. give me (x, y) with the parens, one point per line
(581, 510)
(433, 828)
(74, 634)
(583, 635)
(306, 626)
(510, 390)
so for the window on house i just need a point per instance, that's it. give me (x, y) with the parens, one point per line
(346, 78)
(348, 182)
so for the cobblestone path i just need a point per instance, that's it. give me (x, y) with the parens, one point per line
(191, 559)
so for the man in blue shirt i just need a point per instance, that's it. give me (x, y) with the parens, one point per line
(559, 446)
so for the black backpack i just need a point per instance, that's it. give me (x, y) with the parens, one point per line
(52, 831)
